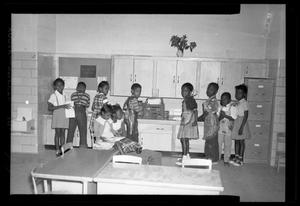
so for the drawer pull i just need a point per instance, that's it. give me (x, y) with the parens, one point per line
(260, 86)
(160, 128)
(256, 145)
(259, 106)
(258, 125)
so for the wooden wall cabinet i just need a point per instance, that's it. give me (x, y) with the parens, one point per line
(127, 71)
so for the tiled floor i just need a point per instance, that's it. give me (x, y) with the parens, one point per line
(252, 182)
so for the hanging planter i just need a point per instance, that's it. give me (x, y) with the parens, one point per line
(181, 44)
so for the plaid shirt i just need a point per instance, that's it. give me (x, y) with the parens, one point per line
(98, 103)
(126, 145)
(80, 98)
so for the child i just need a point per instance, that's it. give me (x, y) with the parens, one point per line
(98, 102)
(132, 109)
(118, 125)
(241, 129)
(211, 123)
(105, 138)
(227, 116)
(81, 102)
(188, 127)
(56, 103)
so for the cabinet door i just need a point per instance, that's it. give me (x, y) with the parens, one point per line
(122, 76)
(155, 141)
(186, 72)
(209, 72)
(143, 74)
(166, 77)
(231, 75)
(253, 69)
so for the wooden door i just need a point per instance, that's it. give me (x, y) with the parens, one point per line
(209, 72)
(166, 78)
(231, 75)
(143, 74)
(186, 72)
(122, 76)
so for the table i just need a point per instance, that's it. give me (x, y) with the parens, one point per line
(152, 179)
(77, 165)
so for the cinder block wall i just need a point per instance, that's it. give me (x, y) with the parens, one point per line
(24, 87)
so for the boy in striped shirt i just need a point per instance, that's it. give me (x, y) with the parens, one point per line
(81, 102)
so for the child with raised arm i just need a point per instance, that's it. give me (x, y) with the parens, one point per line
(57, 104)
(188, 127)
(211, 123)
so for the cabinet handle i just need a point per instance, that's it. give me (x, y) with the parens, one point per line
(174, 79)
(131, 77)
(256, 145)
(222, 81)
(260, 86)
(258, 125)
(259, 106)
(177, 79)
(135, 78)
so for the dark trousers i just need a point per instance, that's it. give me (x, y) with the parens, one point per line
(211, 148)
(80, 120)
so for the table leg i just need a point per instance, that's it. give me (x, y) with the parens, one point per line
(84, 187)
(45, 186)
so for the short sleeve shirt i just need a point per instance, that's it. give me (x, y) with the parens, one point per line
(57, 98)
(241, 107)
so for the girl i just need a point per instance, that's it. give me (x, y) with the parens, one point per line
(188, 127)
(99, 100)
(118, 125)
(241, 129)
(105, 138)
(56, 103)
(211, 123)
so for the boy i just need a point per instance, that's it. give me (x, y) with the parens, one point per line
(211, 123)
(227, 115)
(132, 109)
(81, 102)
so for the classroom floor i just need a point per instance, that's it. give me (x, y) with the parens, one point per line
(252, 182)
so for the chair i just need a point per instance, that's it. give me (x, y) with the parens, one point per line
(127, 159)
(197, 163)
(280, 150)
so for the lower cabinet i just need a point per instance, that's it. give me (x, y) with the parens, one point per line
(48, 133)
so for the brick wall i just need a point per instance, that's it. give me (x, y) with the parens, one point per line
(279, 108)
(24, 87)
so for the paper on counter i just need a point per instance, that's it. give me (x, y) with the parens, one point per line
(154, 101)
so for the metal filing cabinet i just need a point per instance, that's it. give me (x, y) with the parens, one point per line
(260, 99)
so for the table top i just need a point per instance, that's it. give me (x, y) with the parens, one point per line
(76, 164)
(161, 176)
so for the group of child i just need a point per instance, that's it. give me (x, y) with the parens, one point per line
(222, 123)
(112, 127)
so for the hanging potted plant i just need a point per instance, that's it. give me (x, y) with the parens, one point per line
(181, 44)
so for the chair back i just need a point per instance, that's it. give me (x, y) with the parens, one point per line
(127, 159)
(197, 163)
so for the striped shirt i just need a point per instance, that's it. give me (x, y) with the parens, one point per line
(80, 98)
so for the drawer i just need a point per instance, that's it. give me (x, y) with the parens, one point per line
(259, 129)
(259, 110)
(257, 148)
(259, 90)
(155, 128)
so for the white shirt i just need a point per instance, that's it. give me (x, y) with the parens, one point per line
(57, 98)
(107, 129)
(117, 125)
(241, 107)
(229, 110)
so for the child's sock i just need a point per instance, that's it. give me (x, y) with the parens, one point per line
(188, 156)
